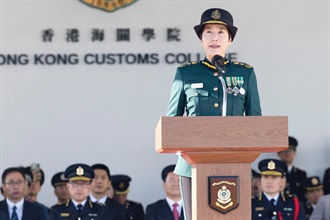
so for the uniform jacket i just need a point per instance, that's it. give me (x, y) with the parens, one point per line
(68, 211)
(285, 207)
(322, 209)
(160, 210)
(135, 210)
(30, 211)
(197, 90)
(326, 182)
(296, 181)
(308, 209)
(115, 210)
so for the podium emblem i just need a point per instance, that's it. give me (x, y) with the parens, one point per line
(223, 193)
(108, 5)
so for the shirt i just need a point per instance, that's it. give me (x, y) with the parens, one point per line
(171, 202)
(19, 206)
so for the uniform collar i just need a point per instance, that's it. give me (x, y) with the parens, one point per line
(76, 203)
(207, 63)
(275, 197)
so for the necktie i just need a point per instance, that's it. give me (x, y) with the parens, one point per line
(272, 201)
(79, 208)
(14, 215)
(175, 211)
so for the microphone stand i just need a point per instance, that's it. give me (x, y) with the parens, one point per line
(218, 62)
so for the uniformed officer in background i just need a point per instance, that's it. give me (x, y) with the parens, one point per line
(313, 191)
(255, 183)
(326, 181)
(214, 86)
(272, 204)
(100, 184)
(296, 177)
(60, 190)
(79, 178)
(120, 185)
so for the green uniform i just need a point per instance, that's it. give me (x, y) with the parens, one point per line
(197, 91)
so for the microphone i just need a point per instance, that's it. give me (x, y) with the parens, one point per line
(219, 63)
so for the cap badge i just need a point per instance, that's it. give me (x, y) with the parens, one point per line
(216, 14)
(80, 171)
(62, 177)
(121, 185)
(315, 181)
(271, 165)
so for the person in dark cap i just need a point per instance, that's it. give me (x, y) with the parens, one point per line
(100, 184)
(60, 190)
(313, 191)
(169, 208)
(296, 177)
(120, 185)
(272, 203)
(79, 177)
(214, 86)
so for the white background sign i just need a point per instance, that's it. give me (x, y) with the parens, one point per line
(58, 115)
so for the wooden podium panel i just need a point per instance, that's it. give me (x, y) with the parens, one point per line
(200, 205)
(256, 133)
(221, 146)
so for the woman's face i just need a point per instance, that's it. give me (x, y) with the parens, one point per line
(215, 40)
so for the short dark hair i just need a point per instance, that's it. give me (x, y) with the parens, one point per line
(11, 170)
(100, 166)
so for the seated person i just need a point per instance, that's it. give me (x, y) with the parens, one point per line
(169, 208)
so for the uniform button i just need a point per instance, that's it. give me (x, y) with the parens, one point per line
(274, 213)
(215, 88)
(215, 74)
(216, 105)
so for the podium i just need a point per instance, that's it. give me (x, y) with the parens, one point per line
(221, 148)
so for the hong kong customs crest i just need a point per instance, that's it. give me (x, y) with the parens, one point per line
(223, 193)
(108, 5)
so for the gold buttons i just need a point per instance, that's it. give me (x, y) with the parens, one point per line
(215, 88)
(216, 105)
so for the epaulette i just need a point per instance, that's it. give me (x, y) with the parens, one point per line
(90, 203)
(242, 64)
(283, 196)
(187, 64)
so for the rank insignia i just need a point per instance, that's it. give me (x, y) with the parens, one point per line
(315, 181)
(108, 5)
(271, 165)
(223, 193)
(80, 171)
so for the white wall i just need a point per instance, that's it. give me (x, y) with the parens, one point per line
(58, 115)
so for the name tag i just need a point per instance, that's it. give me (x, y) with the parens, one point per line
(197, 85)
(65, 214)
(260, 208)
